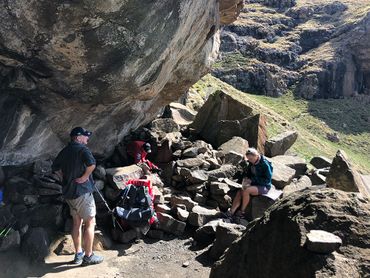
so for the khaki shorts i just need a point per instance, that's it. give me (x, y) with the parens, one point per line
(83, 206)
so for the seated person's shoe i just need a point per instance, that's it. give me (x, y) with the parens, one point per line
(227, 214)
(78, 258)
(93, 259)
(239, 217)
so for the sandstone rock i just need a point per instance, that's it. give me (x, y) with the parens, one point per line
(294, 162)
(11, 240)
(219, 107)
(99, 184)
(48, 191)
(111, 69)
(126, 236)
(187, 201)
(344, 177)
(181, 114)
(229, 10)
(169, 224)
(100, 173)
(282, 175)
(218, 188)
(35, 244)
(207, 233)
(224, 202)
(190, 152)
(195, 187)
(298, 185)
(190, 162)
(158, 196)
(320, 162)
(42, 167)
(226, 234)
(155, 234)
(233, 158)
(324, 209)
(254, 130)
(317, 178)
(165, 125)
(200, 199)
(162, 208)
(257, 207)
(48, 216)
(225, 171)
(182, 214)
(111, 194)
(322, 242)
(214, 164)
(232, 184)
(201, 215)
(279, 144)
(2, 176)
(119, 176)
(65, 246)
(236, 144)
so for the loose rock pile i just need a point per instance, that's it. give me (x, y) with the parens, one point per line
(197, 183)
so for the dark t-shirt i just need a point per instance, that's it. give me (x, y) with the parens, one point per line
(72, 161)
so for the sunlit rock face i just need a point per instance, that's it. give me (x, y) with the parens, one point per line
(107, 65)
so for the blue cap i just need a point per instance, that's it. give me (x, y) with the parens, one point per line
(77, 131)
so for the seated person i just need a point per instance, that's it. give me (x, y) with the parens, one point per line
(256, 181)
(138, 151)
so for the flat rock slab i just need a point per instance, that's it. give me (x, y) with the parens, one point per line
(319, 241)
(190, 162)
(169, 224)
(201, 215)
(187, 201)
(320, 162)
(120, 175)
(294, 162)
(279, 144)
(282, 175)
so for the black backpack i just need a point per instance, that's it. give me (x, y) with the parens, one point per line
(135, 207)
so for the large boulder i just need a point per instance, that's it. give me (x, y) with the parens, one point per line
(224, 116)
(226, 233)
(344, 176)
(235, 144)
(281, 234)
(35, 244)
(181, 114)
(294, 162)
(97, 64)
(279, 144)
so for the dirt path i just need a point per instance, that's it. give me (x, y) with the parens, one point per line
(142, 259)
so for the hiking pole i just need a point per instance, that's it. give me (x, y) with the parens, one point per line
(109, 209)
(6, 230)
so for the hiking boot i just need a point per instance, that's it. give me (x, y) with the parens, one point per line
(78, 258)
(239, 217)
(227, 215)
(93, 259)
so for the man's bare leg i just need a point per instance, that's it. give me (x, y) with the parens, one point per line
(89, 235)
(251, 190)
(76, 233)
(236, 202)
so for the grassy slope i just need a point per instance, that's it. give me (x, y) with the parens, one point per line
(313, 120)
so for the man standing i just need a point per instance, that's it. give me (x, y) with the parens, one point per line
(75, 164)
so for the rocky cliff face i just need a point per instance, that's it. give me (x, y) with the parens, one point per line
(109, 66)
(316, 48)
